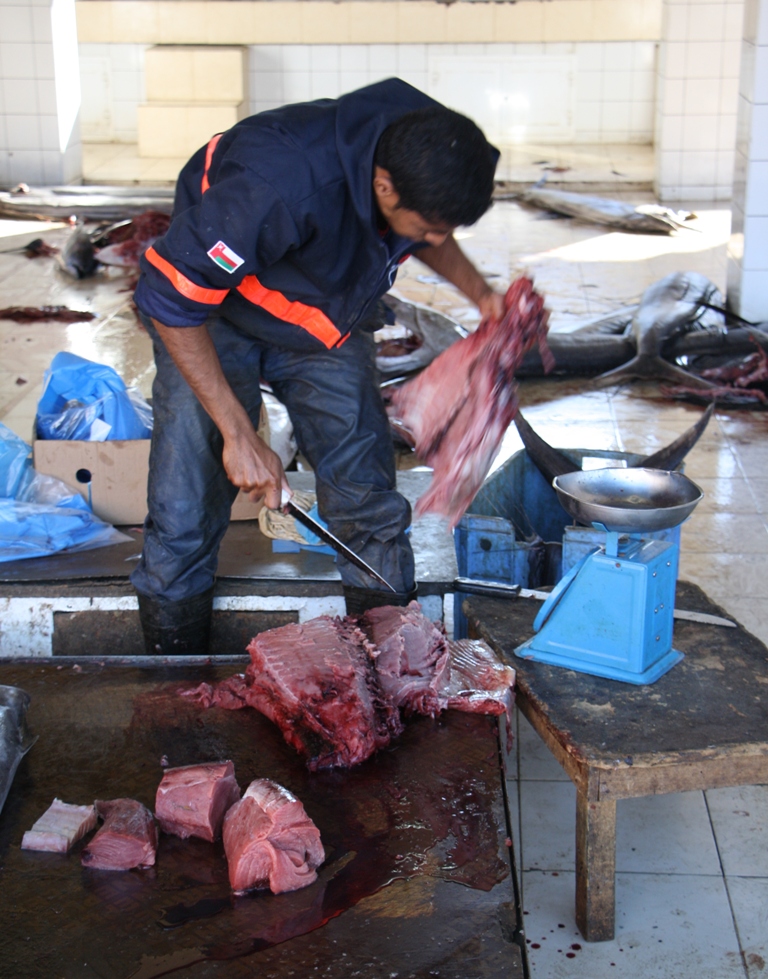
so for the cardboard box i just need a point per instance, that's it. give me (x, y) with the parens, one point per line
(112, 476)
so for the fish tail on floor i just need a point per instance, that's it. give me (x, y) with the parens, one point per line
(645, 367)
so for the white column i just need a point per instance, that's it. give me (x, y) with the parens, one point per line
(748, 247)
(39, 92)
(696, 99)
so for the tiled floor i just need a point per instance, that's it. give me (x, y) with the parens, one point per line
(692, 879)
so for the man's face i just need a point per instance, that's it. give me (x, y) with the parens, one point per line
(409, 224)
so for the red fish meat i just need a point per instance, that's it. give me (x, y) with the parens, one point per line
(192, 800)
(127, 839)
(411, 656)
(457, 410)
(270, 841)
(60, 827)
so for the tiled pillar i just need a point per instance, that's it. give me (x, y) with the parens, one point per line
(696, 99)
(748, 247)
(39, 92)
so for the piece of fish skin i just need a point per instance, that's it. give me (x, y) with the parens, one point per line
(653, 219)
(15, 739)
(77, 258)
(667, 308)
(60, 827)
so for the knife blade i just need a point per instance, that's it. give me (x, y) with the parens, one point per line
(324, 534)
(500, 589)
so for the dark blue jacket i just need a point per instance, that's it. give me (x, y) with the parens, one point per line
(275, 224)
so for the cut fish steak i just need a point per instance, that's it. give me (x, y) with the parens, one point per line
(127, 839)
(60, 827)
(412, 656)
(270, 841)
(192, 800)
(457, 410)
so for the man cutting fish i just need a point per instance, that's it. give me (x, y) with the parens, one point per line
(287, 230)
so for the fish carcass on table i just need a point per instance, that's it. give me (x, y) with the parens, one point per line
(316, 681)
(15, 739)
(645, 218)
(60, 827)
(192, 800)
(457, 410)
(299, 679)
(88, 202)
(270, 841)
(127, 839)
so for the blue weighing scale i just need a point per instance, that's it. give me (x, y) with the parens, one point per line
(611, 615)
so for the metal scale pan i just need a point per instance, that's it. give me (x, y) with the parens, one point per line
(612, 614)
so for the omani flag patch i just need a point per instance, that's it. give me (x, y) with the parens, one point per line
(225, 257)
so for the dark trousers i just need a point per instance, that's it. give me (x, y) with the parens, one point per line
(340, 426)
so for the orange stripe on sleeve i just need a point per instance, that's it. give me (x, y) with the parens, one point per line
(309, 318)
(212, 144)
(184, 285)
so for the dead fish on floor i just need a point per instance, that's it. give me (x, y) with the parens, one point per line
(124, 243)
(552, 462)
(742, 383)
(88, 202)
(429, 333)
(15, 739)
(674, 305)
(645, 218)
(77, 257)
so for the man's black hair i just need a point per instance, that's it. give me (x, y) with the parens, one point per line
(441, 164)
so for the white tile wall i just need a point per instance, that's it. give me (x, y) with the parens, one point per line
(748, 249)
(114, 102)
(696, 104)
(29, 135)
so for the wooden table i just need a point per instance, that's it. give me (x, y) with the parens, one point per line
(417, 879)
(703, 725)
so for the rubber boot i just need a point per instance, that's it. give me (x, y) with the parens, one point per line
(176, 628)
(359, 600)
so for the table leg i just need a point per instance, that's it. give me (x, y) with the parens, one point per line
(595, 867)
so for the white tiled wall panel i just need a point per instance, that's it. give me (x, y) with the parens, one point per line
(30, 105)
(696, 104)
(586, 92)
(748, 248)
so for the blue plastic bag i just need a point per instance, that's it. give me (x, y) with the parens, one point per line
(41, 515)
(15, 463)
(90, 402)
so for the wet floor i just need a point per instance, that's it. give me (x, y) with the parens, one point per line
(704, 911)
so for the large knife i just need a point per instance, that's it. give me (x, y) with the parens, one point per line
(499, 589)
(324, 534)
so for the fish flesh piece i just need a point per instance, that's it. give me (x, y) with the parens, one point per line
(270, 841)
(127, 839)
(645, 218)
(457, 411)
(411, 657)
(192, 800)
(38, 314)
(60, 827)
(15, 739)
(551, 462)
(668, 308)
(478, 682)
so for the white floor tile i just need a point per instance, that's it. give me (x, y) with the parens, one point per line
(665, 834)
(667, 927)
(536, 760)
(749, 901)
(740, 820)
(548, 825)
